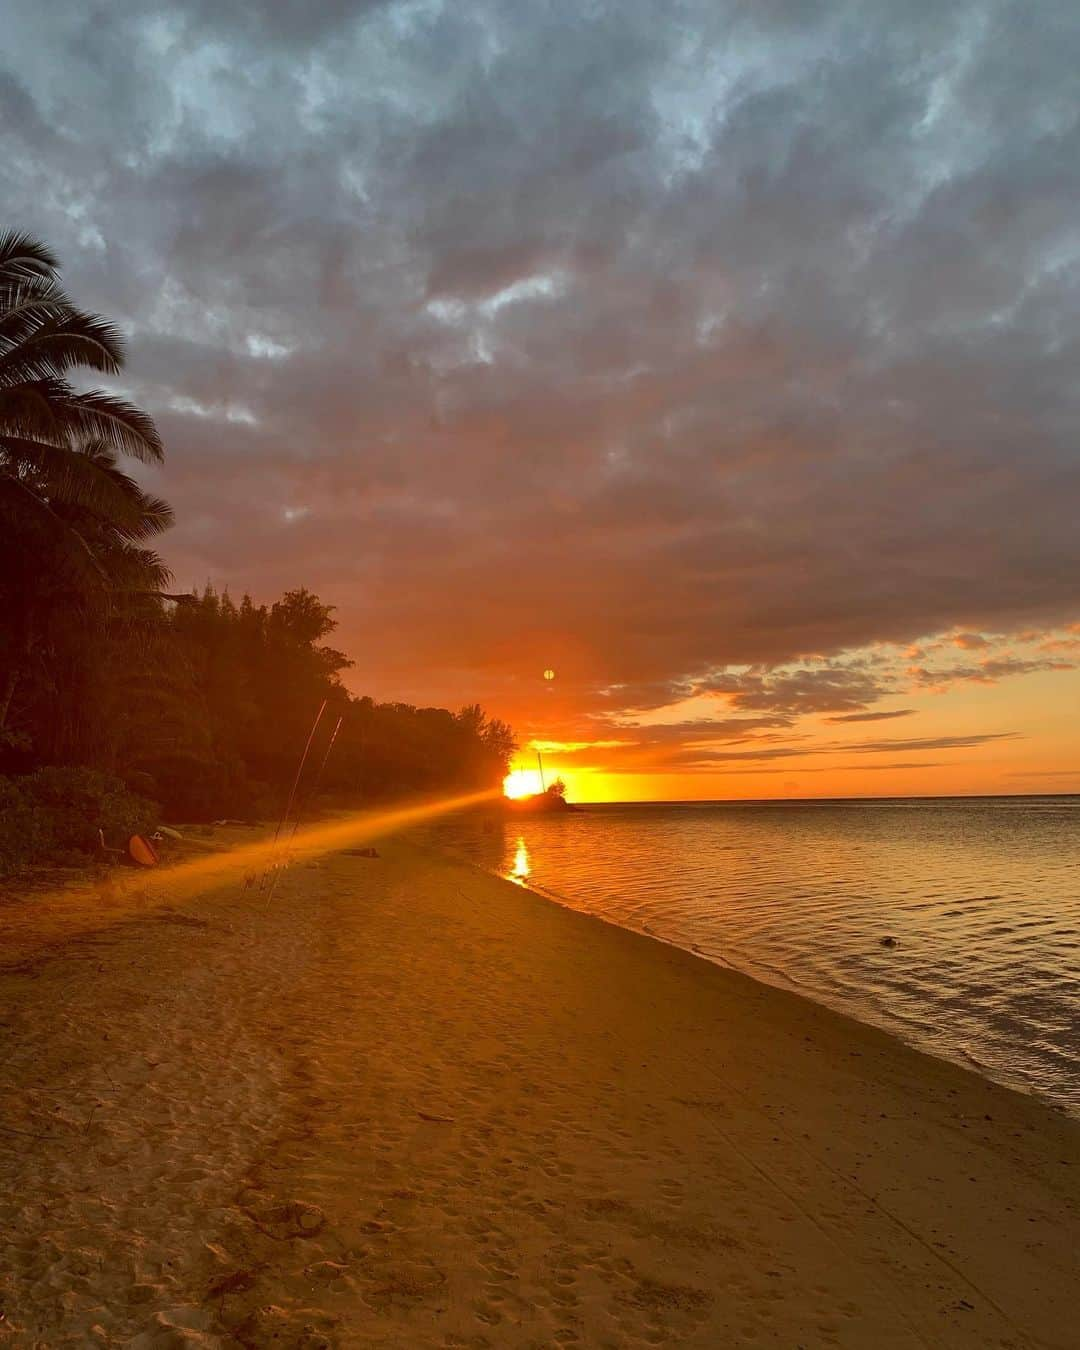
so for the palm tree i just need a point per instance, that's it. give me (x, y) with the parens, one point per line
(43, 419)
(72, 523)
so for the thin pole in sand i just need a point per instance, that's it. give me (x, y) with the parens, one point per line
(292, 793)
(318, 779)
(309, 797)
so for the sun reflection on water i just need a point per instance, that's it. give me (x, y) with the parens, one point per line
(521, 867)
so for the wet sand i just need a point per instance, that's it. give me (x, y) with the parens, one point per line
(408, 1104)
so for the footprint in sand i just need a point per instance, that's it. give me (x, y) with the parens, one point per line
(274, 1326)
(292, 1219)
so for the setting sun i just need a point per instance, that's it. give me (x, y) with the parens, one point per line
(522, 783)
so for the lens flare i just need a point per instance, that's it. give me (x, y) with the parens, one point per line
(522, 783)
(256, 861)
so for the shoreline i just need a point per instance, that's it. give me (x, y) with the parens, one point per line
(785, 983)
(454, 1112)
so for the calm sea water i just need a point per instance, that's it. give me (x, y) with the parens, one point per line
(982, 897)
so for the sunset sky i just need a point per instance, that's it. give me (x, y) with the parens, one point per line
(721, 357)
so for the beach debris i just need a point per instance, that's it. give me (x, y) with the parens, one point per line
(360, 852)
(169, 915)
(326, 1270)
(106, 850)
(168, 832)
(889, 942)
(439, 1120)
(236, 1283)
(141, 851)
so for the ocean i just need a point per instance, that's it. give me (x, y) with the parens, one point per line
(952, 923)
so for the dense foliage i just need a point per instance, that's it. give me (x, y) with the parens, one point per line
(56, 814)
(211, 709)
(193, 701)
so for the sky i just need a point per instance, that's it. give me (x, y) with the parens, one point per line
(720, 357)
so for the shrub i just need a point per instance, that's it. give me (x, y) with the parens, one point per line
(52, 814)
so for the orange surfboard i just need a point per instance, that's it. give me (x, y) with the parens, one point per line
(142, 851)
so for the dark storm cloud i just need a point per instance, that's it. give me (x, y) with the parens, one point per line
(638, 342)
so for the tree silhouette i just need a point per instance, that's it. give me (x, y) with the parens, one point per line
(72, 523)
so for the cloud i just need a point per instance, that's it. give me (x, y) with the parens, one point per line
(649, 350)
(986, 672)
(825, 688)
(841, 768)
(702, 755)
(695, 749)
(899, 764)
(872, 716)
(932, 743)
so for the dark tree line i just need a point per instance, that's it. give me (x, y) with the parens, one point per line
(195, 701)
(214, 717)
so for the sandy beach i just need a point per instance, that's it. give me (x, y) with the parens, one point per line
(409, 1104)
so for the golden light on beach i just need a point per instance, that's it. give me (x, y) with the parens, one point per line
(255, 864)
(522, 783)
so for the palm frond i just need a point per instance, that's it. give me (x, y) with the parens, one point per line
(97, 415)
(29, 410)
(25, 304)
(67, 479)
(24, 513)
(67, 510)
(156, 517)
(135, 571)
(153, 515)
(21, 254)
(47, 339)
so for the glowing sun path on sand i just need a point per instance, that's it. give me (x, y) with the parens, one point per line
(185, 880)
(188, 878)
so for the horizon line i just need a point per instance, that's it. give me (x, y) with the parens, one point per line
(770, 801)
